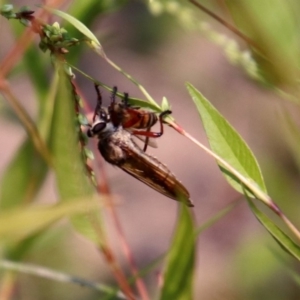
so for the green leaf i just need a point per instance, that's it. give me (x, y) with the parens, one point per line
(179, 274)
(227, 143)
(71, 175)
(6, 8)
(280, 237)
(80, 26)
(144, 104)
(27, 171)
(165, 105)
(87, 12)
(42, 272)
(18, 224)
(23, 177)
(150, 104)
(208, 224)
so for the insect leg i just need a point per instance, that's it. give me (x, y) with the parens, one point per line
(113, 95)
(167, 112)
(161, 116)
(125, 102)
(146, 140)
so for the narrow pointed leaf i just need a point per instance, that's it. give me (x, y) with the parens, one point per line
(165, 105)
(227, 143)
(21, 223)
(208, 224)
(42, 272)
(71, 175)
(217, 217)
(179, 274)
(144, 104)
(280, 237)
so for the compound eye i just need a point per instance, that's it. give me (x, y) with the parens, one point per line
(97, 128)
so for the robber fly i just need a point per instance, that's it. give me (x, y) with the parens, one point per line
(118, 148)
(138, 121)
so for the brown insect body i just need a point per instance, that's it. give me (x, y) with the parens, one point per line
(131, 117)
(117, 147)
(138, 121)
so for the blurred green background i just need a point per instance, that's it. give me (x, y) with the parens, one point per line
(165, 44)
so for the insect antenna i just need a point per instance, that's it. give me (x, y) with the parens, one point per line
(113, 95)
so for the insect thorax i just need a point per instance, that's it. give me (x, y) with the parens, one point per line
(110, 144)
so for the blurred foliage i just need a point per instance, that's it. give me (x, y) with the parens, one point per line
(271, 59)
(181, 257)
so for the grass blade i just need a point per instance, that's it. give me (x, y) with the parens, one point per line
(179, 273)
(280, 237)
(18, 224)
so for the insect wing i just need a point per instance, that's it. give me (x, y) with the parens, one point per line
(150, 141)
(150, 171)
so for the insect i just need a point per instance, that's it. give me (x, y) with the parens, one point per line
(138, 121)
(118, 148)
